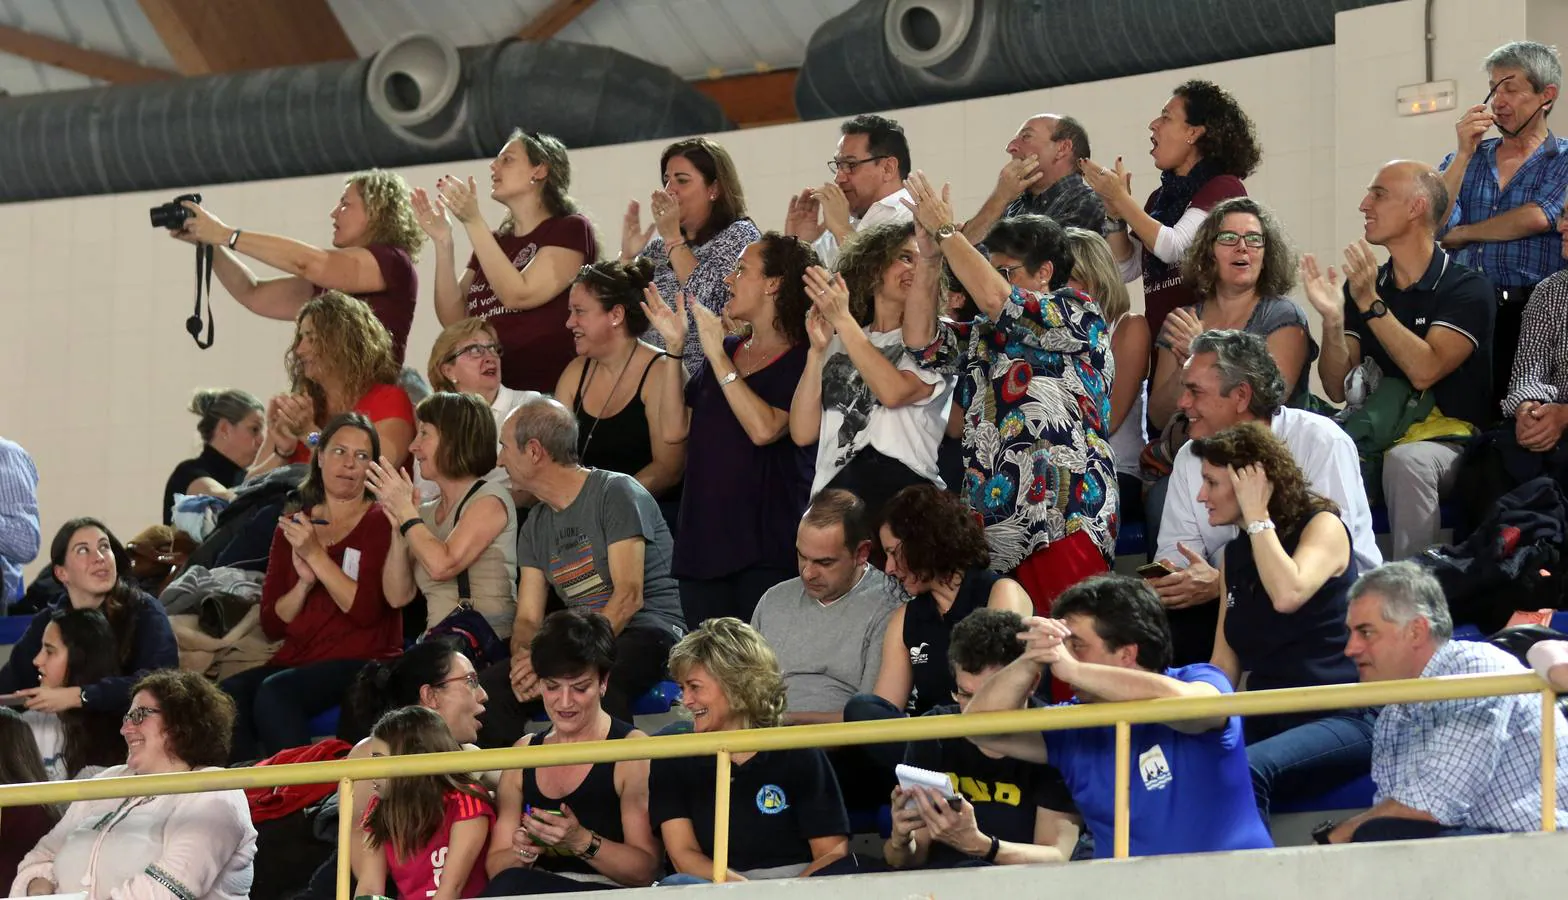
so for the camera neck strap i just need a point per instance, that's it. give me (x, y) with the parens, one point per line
(203, 276)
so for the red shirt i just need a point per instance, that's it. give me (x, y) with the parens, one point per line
(1160, 297)
(382, 401)
(536, 345)
(369, 630)
(419, 876)
(393, 304)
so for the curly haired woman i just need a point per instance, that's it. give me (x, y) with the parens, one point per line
(375, 240)
(874, 416)
(1241, 267)
(1204, 145)
(340, 361)
(1284, 588)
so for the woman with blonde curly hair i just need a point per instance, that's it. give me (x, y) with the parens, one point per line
(340, 361)
(875, 417)
(520, 274)
(787, 816)
(1240, 267)
(375, 241)
(1284, 588)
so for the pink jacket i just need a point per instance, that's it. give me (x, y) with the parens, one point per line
(194, 846)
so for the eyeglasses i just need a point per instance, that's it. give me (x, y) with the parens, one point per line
(137, 715)
(850, 165)
(1252, 239)
(471, 679)
(338, 453)
(475, 351)
(1007, 271)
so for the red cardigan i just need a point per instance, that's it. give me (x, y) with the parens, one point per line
(369, 630)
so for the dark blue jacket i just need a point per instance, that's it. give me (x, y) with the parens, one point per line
(154, 648)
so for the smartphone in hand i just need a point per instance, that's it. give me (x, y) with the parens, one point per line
(1156, 569)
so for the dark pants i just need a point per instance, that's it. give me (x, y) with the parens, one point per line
(1192, 632)
(1129, 489)
(875, 477)
(274, 705)
(642, 655)
(871, 708)
(1309, 758)
(1390, 828)
(1505, 341)
(520, 882)
(735, 594)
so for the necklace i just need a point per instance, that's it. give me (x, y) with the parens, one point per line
(609, 398)
(749, 346)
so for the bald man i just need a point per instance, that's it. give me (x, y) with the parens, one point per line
(1420, 316)
(597, 542)
(1041, 178)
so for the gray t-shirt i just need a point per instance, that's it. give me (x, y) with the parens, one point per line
(572, 548)
(828, 653)
(1270, 315)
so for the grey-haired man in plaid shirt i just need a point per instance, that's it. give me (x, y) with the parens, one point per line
(1451, 767)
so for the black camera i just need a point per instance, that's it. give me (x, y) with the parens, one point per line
(172, 215)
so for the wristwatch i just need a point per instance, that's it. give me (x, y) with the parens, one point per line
(728, 379)
(945, 232)
(1260, 526)
(1377, 310)
(594, 843)
(84, 698)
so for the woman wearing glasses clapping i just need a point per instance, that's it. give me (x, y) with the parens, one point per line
(322, 597)
(1240, 266)
(198, 846)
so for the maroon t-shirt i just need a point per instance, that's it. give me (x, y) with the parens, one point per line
(393, 304)
(536, 347)
(1168, 292)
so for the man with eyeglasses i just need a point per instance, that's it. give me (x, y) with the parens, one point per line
(1041, 178)
(867, 187)
(1507, 192)
(1421, 317)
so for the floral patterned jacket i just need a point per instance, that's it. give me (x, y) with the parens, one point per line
(1036, 389)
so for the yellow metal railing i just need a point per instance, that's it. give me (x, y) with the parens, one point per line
(723, 744)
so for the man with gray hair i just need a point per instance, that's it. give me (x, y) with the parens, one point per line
(597, 541)
(1231, 378)
(1450, 767)
(1508, 191)
(1422, 318)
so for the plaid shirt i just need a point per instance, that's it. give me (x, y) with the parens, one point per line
(1541, 365)
(1542, 180)
(1473, 763)
(1069, 202)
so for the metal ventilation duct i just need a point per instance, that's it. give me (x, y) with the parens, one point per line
(887, 54)
(311, 120)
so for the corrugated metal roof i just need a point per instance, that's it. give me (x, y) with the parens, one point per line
(695, 38)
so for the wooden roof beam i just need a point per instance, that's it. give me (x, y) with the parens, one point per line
(63, 55)
(555, 17)
(206, 37)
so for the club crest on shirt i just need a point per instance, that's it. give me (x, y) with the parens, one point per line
(771, 800)
(918, 654)
(1156, 772)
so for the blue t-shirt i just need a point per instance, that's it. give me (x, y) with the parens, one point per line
(1190, 793)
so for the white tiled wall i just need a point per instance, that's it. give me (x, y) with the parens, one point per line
(97, 368)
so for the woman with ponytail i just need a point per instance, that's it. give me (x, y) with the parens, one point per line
(230, 425)
(518, 276)
(616, 378)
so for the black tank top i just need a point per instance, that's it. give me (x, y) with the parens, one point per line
(618, 443)
(1280, 650)
(926, 632)
(595, 804)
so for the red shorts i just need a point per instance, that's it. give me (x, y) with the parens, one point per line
(1049, 571)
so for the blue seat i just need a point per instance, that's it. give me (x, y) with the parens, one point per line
(872, 821)
(13, 627)
(326, 724)
(1351, 795)
(1132, 540)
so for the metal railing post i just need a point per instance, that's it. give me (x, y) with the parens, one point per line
(1548, 759)
(346, 826)
(721, 819)
(1123, 840)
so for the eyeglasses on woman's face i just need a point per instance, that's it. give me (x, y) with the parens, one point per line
(138, 714)
(471, 679)
(475, 351)
(1253, 239)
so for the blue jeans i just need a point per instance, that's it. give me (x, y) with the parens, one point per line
(679, 879)
(274, 706)
(1310, 758)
